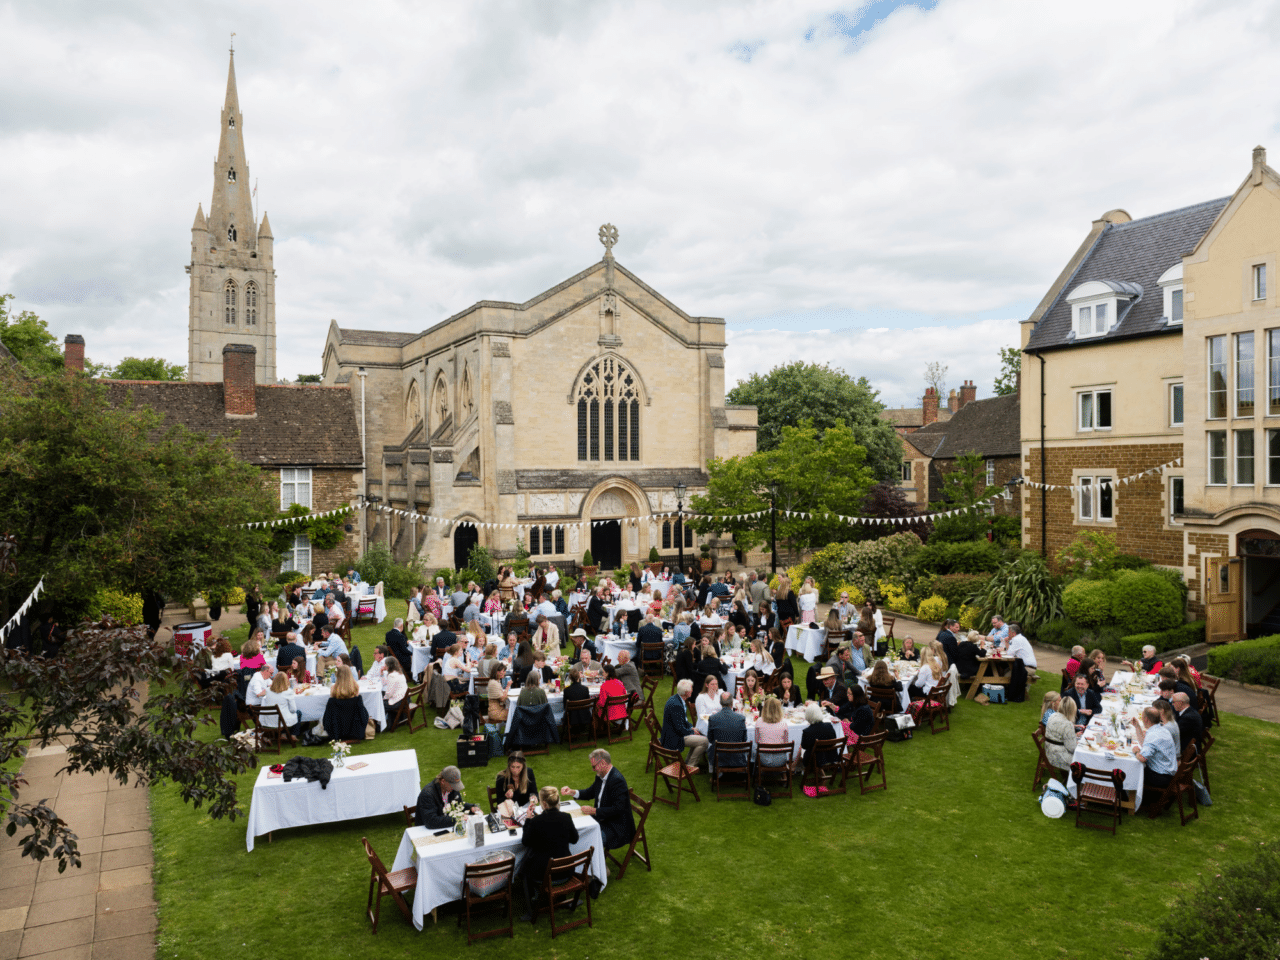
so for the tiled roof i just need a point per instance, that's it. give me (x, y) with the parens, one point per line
(988, 427)
(1139, 251)
(375, 338)
(300, 426)
(910, 416)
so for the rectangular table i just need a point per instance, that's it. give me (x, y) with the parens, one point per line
(311, 704)
(809, 643)
(795, 730)
(388, 783)
(441, 865)
(993, 670)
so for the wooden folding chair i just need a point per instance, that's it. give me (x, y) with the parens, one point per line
(866, 757)
(405, 712)
(834, 639)
(670, 765)
(1202, 760)
(887, 697)
(655, 735)
(1096, 793)
(411, 814)
(1210, 687)
(1043, 767)
(392, 884)
(828, 773)
(496, 881)
(782, 771)
(653, 659)
(640, 809)
(1181, 785)
(617, 731)
(938, 708)
(589, 738)
(266, 732)
(731, 759)
(494, 799)
(566, 882)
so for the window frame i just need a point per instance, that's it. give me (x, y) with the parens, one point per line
(991, 473)
(1094, 494)
(1177, 498)
(1094, 407)
(293, 481)
(905, 472)
(289, 560)
(1258, 284)
(1223, 367)
(1273, 462)
(1212, 436)
(1179, 389)
(1239, 459)
(1273, 372)
(1244, 371)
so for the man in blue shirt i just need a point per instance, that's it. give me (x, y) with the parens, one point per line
(330, 648)
(727, 727)
(999, 631)
(1158, 755)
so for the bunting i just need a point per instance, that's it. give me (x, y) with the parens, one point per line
(22, 611)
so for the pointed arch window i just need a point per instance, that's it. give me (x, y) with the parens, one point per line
(231, 174)
(231, 121)
(230, 296)
(609, 383)
(251, 303)
(231, 233)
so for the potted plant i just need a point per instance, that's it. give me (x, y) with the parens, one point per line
(655, 562)
(589, 567)
(705, 562)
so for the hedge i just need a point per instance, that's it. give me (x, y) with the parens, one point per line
(1146, 600)
(1248, 661)
(1088, 602)
(1183, 636)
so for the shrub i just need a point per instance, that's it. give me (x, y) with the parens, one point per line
(932, 610)
(1233, 916)
(1175, 578)
(973, 556)
(480, 560)
(795, 574)
(1106, 638)
(828, 564)
(445, 572)
(397, 578)
(856, 596)
(960, 588)
(1023, 591)
(1063, 633)
(888, 558)
(653, 555)
(588, 560)
(1249, 661)
(120, 606)
(1143, 600)
(1091, 550)
(1088, 602)
(1164, 640)
(893, 596)
(969, 617)
(235, 596)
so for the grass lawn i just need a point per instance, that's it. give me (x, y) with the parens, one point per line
(954, 860)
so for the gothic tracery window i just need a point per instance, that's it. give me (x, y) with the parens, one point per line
(231, 175)
(231, 233)
(251, 303)
(229, 301)
(608, 386)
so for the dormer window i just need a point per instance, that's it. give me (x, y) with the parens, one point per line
(1171, 285)
(1096, 305)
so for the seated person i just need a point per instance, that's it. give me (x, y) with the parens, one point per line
(787, 692)
(612, 687)
(1077, 658)
(1088, 701)
(540, 666)
(708, 700)
(1049, 705)
(1060, 734)
(281, 696)
(1149, 663)
(857, 712)
(968, 650)
(516, 782)
(817, 729)
(259, 684)
(909, 651)
(532, 694)
(577, 691)
(727, 726)
(772, 730)
(590, 668)
(345, 715)
(1157, 754)
(628, 674)
(882, 677)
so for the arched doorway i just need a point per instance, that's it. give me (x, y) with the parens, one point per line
(609, 512)
(465, 536)
(1259, 548)
(606, 544)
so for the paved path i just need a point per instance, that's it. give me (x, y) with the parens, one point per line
(103, 911)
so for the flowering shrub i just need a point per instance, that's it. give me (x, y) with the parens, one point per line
(893, 596)
(932, 609)
(121, 607)
(969, 617)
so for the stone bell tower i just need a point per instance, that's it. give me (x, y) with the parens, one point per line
(233, 282)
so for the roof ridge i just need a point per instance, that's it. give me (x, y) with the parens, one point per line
(1170, 213)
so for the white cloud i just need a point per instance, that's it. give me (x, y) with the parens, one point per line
(416, 158)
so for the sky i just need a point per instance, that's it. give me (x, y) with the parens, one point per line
(875, 186)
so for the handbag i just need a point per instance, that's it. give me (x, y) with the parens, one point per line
(453, 719)
(763, 797)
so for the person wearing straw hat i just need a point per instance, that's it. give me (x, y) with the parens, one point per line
(587, 643)
(833, 693)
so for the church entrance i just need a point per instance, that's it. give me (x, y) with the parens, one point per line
(464, 538)
(606, 544)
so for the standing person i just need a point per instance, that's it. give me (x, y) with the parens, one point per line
(612, 808)
(788, 610)
(252, 604)
(807, 601)
(677, 732)
(549, 836)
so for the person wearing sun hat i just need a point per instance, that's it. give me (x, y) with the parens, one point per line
(586, 644)
(437, 795)
(833, 693)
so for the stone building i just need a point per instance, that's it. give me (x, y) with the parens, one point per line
(1154, 344)
(574, 415)
(233, 281)
(990, 428)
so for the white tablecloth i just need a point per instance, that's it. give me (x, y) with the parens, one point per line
(795, 728)
(311, 662)
(904, 700)
(421, 658)
(311, 705)
(810, 644)
(388, 783)
(380, 606)
(1112, 703)
(614, 646)
(555, 698)
(441, 865)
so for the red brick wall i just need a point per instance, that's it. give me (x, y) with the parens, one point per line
(1139, 506)
(331, 489)
(239, 363)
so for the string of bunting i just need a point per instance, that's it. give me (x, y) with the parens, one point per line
(22, 610)
(298, 519)
(1105, 481)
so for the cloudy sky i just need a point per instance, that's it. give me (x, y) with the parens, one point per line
(877, 185)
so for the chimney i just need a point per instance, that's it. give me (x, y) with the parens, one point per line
(73, 352)
(953, 402)
(968, 393)
(239, 363)
(929, 406)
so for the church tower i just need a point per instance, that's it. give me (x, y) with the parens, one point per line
(233, 283)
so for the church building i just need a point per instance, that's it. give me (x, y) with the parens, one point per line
(570, 418)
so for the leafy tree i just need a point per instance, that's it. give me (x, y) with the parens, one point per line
(309, 378)
(825, 396)
(96, 498)
(961, 487)
(148, 368)
(1010, 363)
(820, 474)
(325, 533)
(114, 705)
(886, 500)
(28, 338)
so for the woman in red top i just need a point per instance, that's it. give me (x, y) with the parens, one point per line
(612, 687)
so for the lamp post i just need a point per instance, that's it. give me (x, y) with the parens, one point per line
(364, 464)
(680, 492)
(773, 525)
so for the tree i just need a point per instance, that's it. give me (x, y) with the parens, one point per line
(887, 501)
(1010, 365)
(309, 378)
(962, 487)
(28, 338)
(935, 375)
(824, 396)
(95, 498)
(93, 702)
(819, 474)
(148, 368)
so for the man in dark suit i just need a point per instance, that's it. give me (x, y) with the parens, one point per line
(612, 808)
(1088, 701)
(833, 692)
(1190, 723)
(726, 726)
(289, 651)
(597, 611)
(441, 642)
(677, 731)
(947, 637)
(398, 644)
(651, 632)
(548, 836)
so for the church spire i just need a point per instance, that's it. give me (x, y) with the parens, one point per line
(231, 222)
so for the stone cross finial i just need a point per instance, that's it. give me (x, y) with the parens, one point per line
(608, 236)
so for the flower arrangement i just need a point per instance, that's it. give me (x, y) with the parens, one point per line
(340, 751)
(457, 810)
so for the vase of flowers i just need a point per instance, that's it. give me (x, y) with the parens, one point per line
(340, 751)
(458, 811)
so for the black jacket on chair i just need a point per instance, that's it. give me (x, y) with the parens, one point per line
(612, 801)
(345, 719)
(578, 691)
(532, 726)
(287, 653)
(811, 735)
(548, 837)
(398, 644)
(966, 658)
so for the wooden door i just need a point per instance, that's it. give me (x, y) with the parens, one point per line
(1224, 578)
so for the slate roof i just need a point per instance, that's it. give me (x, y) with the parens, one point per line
(989, 427)
(910, 416)
(1137, 252)
(296, 426)
(375, 338)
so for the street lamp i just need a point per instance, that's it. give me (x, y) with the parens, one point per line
(681, 489)
(773, 524)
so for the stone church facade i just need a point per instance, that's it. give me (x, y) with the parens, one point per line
(574, 415)
(233, 279)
